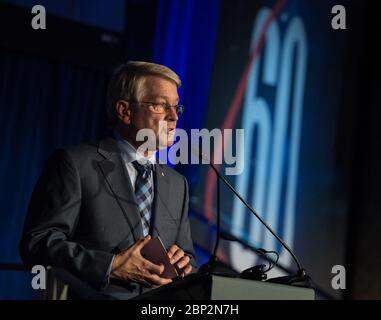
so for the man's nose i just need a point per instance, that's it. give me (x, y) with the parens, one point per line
(172, 114)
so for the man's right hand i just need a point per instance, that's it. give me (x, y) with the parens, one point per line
(130, 265)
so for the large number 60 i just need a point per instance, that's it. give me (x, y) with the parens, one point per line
(273, 171)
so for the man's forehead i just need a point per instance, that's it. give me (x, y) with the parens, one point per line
(160, 93)
(160, 88)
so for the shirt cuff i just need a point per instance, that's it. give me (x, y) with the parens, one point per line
(108, 273)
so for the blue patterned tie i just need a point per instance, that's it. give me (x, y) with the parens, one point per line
(144, 193)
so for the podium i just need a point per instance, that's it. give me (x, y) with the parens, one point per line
(214, 287)
(197, 286)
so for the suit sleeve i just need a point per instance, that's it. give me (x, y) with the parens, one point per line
(184, 237)
(52, 216)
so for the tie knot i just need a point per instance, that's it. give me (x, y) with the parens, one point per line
(143, 168)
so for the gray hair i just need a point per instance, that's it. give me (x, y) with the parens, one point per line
(127, 83)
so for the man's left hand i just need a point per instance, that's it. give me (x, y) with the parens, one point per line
(177, 256)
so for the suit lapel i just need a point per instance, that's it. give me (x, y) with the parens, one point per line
(116, 176)
(161, 196)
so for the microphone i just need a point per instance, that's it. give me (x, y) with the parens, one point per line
(300, 278)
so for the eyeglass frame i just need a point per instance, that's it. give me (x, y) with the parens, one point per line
(163, 104)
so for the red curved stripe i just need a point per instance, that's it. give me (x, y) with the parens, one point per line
(236, 106)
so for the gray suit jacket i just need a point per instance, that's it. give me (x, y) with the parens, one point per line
(83, 211)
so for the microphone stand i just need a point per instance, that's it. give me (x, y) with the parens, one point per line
(214, 265)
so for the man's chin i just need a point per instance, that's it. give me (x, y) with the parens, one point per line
(170, 142)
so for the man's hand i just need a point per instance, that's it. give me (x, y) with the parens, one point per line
(178, 257)
(130, 265)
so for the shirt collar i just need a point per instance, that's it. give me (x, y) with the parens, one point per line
(129, 153)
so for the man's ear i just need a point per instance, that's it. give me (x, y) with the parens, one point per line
(123, 111)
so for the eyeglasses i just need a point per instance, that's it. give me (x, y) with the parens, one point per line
(161, 107)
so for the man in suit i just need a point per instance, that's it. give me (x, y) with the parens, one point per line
(96, 206)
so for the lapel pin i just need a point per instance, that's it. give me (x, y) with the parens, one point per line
(162, 174)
